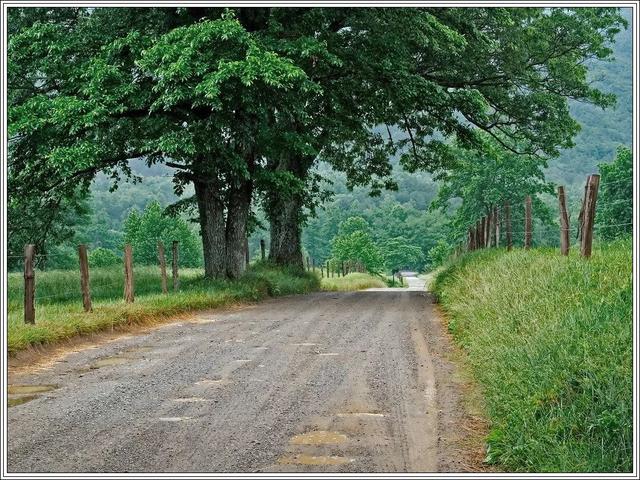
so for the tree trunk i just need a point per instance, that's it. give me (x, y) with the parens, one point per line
(286, 245)
(238, 211)
(212, 228)
(285, 215)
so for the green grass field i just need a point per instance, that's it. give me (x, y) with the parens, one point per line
(59, 313)
(549, 340)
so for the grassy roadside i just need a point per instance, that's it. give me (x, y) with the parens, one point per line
(549, 340)
(351, 282)
(59, 317)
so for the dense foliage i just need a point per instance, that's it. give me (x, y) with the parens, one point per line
(143, 230)
(614, 216)
(246, 121)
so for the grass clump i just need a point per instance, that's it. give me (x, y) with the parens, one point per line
(549, 339)
(59, 316)
(351, 282)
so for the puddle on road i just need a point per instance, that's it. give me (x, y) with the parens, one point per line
(108, 362)
(360, 414)
(12, 402)
(22, 389)
(320, 437)
(213, 381)
(139, 349)
(304, 459)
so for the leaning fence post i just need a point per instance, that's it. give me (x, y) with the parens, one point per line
(589, 215)
(29, 285)
(174, 265)
(528, 227)
(507, 224)
(128, 274)
(262, 249)
(564, 221)
(84, 277)
(163, 266)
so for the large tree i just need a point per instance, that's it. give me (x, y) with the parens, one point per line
(245, 100)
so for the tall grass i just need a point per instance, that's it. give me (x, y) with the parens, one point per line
(352, 281)
(59, 313)
(550, 341)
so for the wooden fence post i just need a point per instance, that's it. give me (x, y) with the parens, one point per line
(29, 285)
(581, 215)
(84, 277)
(507, 225)
(589, 215)
(174, 265)
(564, 221)
(163, 267)
(262, 249)
(528, 226)
(128, 274)
(496, 220)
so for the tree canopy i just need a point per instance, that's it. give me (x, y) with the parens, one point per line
(242, 102)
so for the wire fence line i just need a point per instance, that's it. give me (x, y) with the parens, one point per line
(36, 286)
(495, 227)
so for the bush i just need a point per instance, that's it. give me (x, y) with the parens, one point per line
(103, 257)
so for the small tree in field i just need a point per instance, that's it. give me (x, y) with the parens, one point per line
(356, 245)
(144, 230)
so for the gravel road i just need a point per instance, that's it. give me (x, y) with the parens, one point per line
(326, 382)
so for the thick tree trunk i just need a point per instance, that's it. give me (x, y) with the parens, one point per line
(286, 230)
(212, 228)
(238, 211)
(285, 216)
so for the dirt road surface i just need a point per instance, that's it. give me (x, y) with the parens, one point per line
(326, 382)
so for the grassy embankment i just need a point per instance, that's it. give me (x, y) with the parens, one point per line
(59, 313)
(549, 340)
